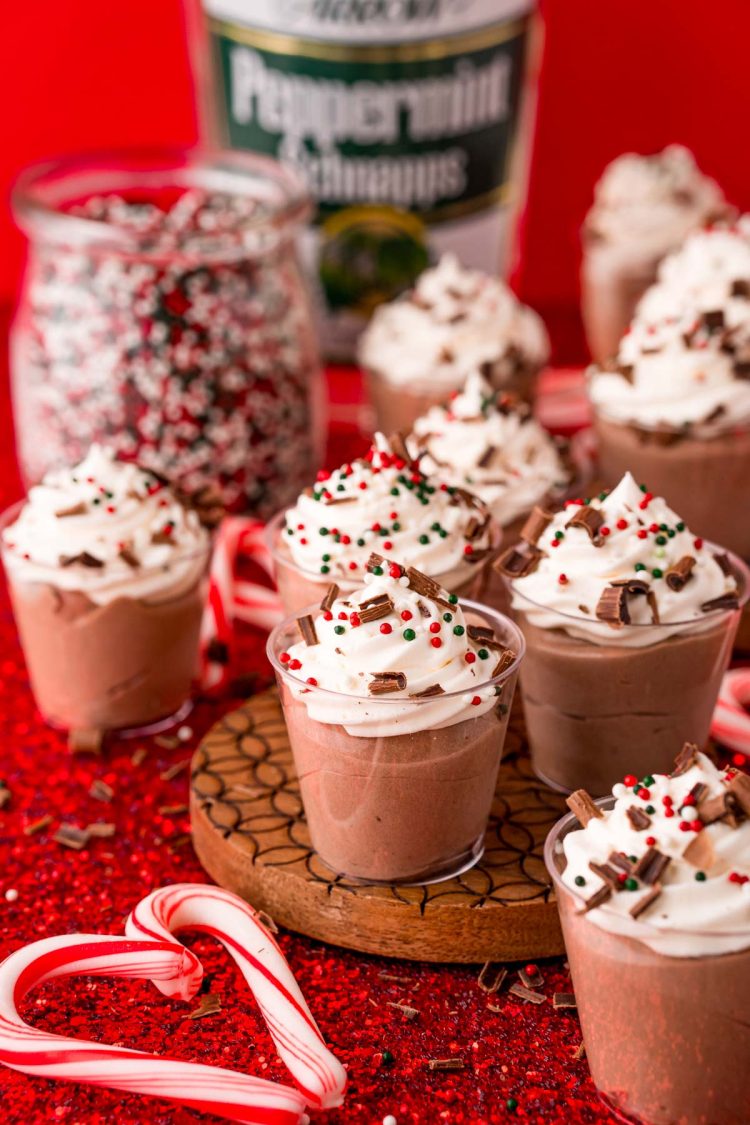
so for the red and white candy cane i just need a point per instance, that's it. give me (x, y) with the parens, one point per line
(237, 1097)
(225, 916)
(730, 724)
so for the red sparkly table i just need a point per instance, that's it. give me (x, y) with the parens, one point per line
(517, 1059)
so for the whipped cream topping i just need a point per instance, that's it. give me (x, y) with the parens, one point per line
(648, 204)
(385, 501)
(702, 902)
(486, 442)
(396, 637)
(670, 581)
(455, 320)
(108, 529)
(685, 361)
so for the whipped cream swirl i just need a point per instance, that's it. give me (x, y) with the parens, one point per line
(685, 361)
(674, 581)
(702, 905)
(384, 501)
(490, 444)
(396, 637)
(646, 205)
(454, 321)
(108, 529)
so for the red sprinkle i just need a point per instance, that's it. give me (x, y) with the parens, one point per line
(476, 701)
(375, 527)
(651, 840)
(697, 543)
(295, 665)
(667, 800)
(668, 811)
(394, 571)
(738, 759)
(435, 627)
(653, 528)
(642, 534)
(311, 681)
(352, 565)
(285, 658)
(346, 540)
(563, 579)
(406, 615)
(696, 825)
(468, 549)
(630, 780)
(386, 628)
(604, 531)
(737, 877)
(354, 621)
(343, 616)
(328, 616)
(689, 800)
(303, 542)
(531, 970)
(436, 642)
(684, 826)
(469, 657)
(644, 794)
(621, 525)
(362, 484)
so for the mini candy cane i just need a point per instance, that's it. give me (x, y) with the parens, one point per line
(228, 918)
(235, 1096)
(731, 723)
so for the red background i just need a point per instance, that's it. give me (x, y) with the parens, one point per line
(617, 74)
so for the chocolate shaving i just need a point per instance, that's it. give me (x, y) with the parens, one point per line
(487, 457)
(621, 862)
(383, 683)
(651, 866)
(742, 368)
(79, 509)
(174, 770)
(740, 288)
(714, 319)
(329, 501)
(639, 819)
(423, 609)
(700, 852)
(172, 810)
(85, 741)
(446, 1064)
(399, 448)
(564, 1000)
(686, 758)
(163, 538)
(612, 607)
(515, 563)
(71, 836)
(580, 1051)
(582, 806)
(128, 557)
(527, 994)
(329, 597)
(723, 563)
(428, 692)
(724, 601)
(676, 576)
(739, 789)
(482, 634)
(645, 901)
(724, 806)
(375, 608)
(535, 526)
(474, 528)
(207, 502)
(138, 757)
(607, 873)
(423, 585)
(306, 626)
(5, 794)
(591, 520)
(698, 791)
(505, 661)
(85, 559)
(373, 561)
(491, 983)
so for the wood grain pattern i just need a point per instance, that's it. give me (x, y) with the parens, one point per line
(250, 834)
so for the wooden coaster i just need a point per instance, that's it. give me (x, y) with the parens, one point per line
(250, 834)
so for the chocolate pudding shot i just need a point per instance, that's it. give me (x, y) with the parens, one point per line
(381, 502)
(396, 698)
(653, 889)
(676, 400)
(420, 347)
(644, 208)
(629, 620)
(106, 569)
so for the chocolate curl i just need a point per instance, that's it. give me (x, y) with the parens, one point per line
(329, 597)
(645, 901)
(723, 563)
(639, 819)
(536, 525)
(428, 693)
(591, 520)
(375, 608)
(700, 852)
(515, 563)
(680, 573)
(85, 559)
(79, 509)
(383, 683)
(685, 760)
(582, 806)
(651, 866)
(306, 626)
(129, 558)
(739, 788)
(612, 607)
(724, 601)
(596, 899)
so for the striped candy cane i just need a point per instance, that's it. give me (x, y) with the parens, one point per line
(730, 724)
(225, 916)
(237, 1097)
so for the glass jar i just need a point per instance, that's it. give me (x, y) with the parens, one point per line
(163, 313)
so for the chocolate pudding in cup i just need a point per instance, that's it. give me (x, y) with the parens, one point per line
(629, 621)
(644, 208)
(653, 890)
(420, 347)
(396, 698)
(106, 568)
(382, 502)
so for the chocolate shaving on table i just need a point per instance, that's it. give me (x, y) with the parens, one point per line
(531, 980)
(580, 1051)
(428, 692)
(174, 770)
(676, 576)
(37, 825)
(639, 819)
(651, 866)
(329, 597)
(535, 526)
(740, 288)
(645, 901)
(217, 652)
(78, 509)
(590, 519)
(381, 605)
(85, 740)
(700, 852)
(564, 1000)
(582, 806)
(724, 601)
(208, 1005)
(505, 661)
(527, 994)
(621, 862)
(138, 757)
(101, 829)
(383, 683)
(487, 457)
(70, 836)
(685, 760)
(128, 557)
(739, 789)
(518, 563)
(607, 873)
(446, 1064)
(100, 791)
(5, 794)
(723, 563)
(84, 558)
(306, 626)
(167, 741)
(405, 1009)
(491, 977)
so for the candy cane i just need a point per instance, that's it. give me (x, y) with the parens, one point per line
(228, 918)
(170, 966)
(730, 724)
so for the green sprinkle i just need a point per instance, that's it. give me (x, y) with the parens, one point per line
(338, 630)
(384, 532)
(511, 1104)
(323, 531)
(409, 485)
(631, 884)
(377, 570)
(662, 527)
(670, 533)
(396, 526)
(326, 558)
(700, 876)
(643, 488)
(680, 526)
(632, 858)
(650, 810)
(431, 489)
(458, 630)
(96, 500)
(559, 535)
(647, 781)
(483, 654)
(325, 569)
(360, 542)
(639, 566)
(341, 488)
(290, 531)
(386, 1058)
(395, 492)
(603, 495)
(409, 634)
(661, 540)
(447, 617)
(424, 540)
(424, 500)
(435, 527)
(657, 573)
(442, 533)
(579, 881)
(453, 599)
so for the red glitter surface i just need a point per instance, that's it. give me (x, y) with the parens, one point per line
(510, 1049)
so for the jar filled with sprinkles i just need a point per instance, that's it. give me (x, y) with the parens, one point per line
(163, 314)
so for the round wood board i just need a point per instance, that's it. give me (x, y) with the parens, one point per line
(250, 834)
